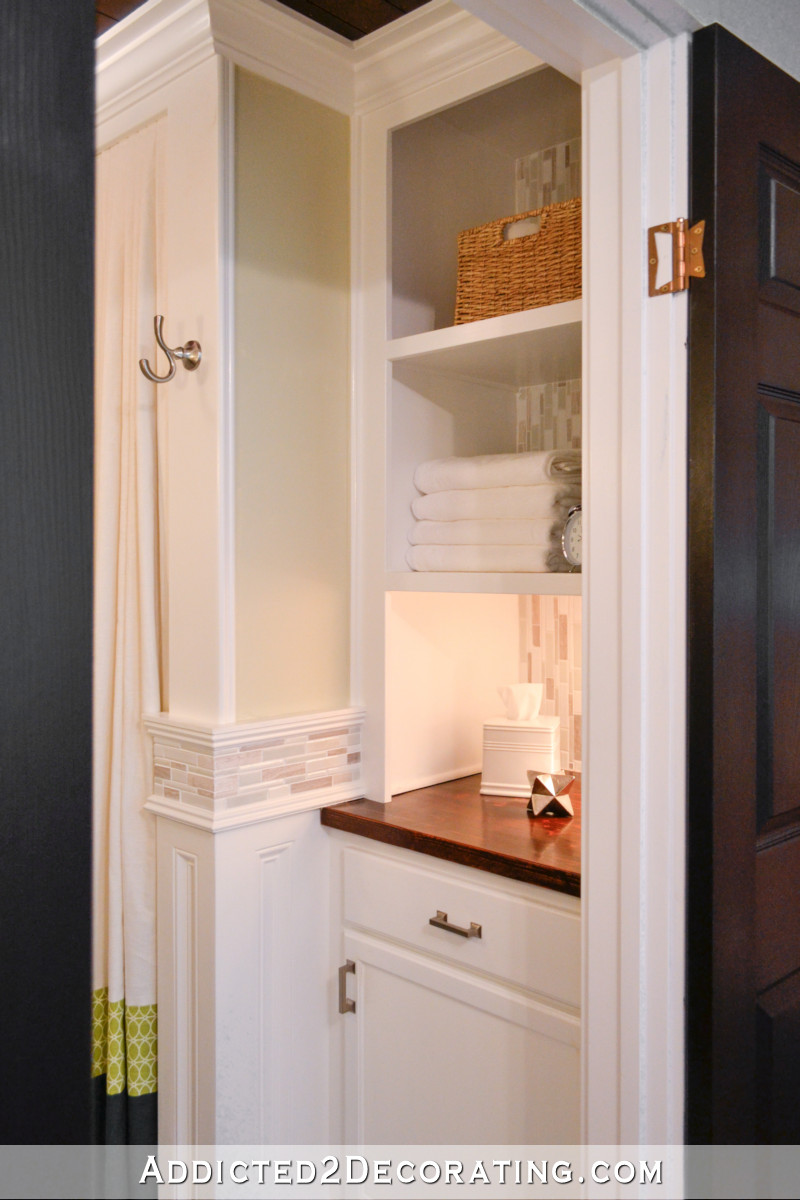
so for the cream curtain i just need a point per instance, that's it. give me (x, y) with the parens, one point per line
(129, 622)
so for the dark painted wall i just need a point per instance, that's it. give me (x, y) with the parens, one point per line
(46, 409)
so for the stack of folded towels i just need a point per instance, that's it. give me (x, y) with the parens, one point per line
(494, 512)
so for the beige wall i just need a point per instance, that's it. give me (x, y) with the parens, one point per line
(446, 656)
(292, 402)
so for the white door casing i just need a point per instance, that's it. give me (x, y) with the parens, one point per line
(635, 85)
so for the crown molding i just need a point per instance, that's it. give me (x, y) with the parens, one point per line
(163, 39)
(273, 42)
(424, 48)
(156, 44)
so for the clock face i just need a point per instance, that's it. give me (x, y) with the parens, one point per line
(572, 538)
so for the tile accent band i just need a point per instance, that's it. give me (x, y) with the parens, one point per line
(219, 777)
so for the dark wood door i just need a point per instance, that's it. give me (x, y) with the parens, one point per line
(46, 413)
(744, 617)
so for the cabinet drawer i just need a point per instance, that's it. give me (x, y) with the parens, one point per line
(525, 941)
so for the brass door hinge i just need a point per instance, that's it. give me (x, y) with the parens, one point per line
(687, 255)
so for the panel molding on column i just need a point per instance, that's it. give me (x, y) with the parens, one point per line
(274, 892)
(185, 988)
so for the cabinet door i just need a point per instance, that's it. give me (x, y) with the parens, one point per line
(437, 1055)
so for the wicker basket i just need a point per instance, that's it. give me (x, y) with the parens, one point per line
(496, 276)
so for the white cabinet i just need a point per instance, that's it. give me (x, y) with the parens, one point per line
(455, 1039)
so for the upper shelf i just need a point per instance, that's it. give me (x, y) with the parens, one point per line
(535, 346)
(561, 583)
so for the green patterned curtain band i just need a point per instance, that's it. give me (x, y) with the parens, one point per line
(124, 1045)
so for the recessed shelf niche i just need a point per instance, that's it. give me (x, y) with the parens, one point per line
(457, 169)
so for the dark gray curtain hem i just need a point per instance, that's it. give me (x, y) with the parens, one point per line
(123, 1120)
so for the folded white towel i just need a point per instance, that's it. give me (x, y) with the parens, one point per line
(498, 470)
(486, 533)
(479, 558)
(506, 503)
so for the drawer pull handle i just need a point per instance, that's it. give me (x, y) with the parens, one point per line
(346, 1005)
(441, 922)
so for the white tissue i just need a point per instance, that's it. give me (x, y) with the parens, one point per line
(522, 700)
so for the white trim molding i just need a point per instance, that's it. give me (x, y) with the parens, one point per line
(163, 39)
(566, 35)
(152, 47)
(635, 129)
(227, 391)
(275, 43)
(427, 47)
(225, 776)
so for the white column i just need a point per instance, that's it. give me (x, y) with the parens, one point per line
(243, 936)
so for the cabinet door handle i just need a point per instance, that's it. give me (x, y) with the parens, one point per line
(346, 1005)
(441, 922)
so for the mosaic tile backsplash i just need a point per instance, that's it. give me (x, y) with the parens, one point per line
(550, 647)
(548, 176)
(549, 416)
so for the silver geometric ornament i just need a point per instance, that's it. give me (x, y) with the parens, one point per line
(549, 795)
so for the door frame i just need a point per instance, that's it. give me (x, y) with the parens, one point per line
(635, 455)
(635, 98)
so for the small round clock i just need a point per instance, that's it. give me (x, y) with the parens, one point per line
(571, 538)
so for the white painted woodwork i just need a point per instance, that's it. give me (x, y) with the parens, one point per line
(457, 1060)
(662, 835)
(522, 583)
(185, 1002)
(242, 878)
(634, 605)
(186, 993)
(569, 36)
(530, 935)
(243, 1019)
(634, 134)
(449, 1043)
(533, 346)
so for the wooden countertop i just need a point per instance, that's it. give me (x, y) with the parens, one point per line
(493, 833)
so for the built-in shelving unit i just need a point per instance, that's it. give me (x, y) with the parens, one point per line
(453, 388)
(439, 644)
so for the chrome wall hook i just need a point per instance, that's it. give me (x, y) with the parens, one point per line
(191, 355)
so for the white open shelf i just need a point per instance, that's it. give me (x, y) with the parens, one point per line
(534, 346)
(456, 169)
(513, 584)
(453, 391)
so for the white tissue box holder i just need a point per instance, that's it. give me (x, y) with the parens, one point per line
(512, 748)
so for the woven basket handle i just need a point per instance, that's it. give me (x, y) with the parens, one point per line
(504, 225)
